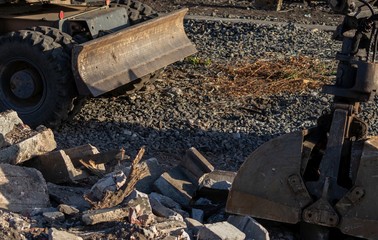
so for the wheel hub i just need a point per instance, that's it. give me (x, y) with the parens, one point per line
(22, 84)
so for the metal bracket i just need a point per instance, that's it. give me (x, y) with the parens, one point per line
(321, 213)
(353, 197)
(301, 194)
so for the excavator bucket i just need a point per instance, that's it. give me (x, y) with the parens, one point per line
(116, 59)
(267, 183)
(270, 185)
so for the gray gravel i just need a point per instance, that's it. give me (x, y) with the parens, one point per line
(176, 113)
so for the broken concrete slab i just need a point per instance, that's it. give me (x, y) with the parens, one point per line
(56, 167)
(72, 196)
(22, 189)
(92, 217)
(193, 226)
(110, 182)
(176, 185)
(42, 141)
(198, 214)
(216, 185)
(196, 164)
(140, 201)
(54, 217)
(154, 170)
(251, 228)
(90, 152)
(81, 152)
(220, 231)
(218, 179)
(161, 211)
(166, 201)
(68, 210)
(183, 235)
(55, 234)
(8, 119)
(170, 226)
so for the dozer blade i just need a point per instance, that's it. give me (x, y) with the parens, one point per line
(268, 184)
(111, 61)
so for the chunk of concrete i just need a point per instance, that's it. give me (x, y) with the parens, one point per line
(196, 164)
(218, 180)
(176, 185)
(154, 170)
(220, 231)
(198, 214)
(90, 152)
(39, 143)
(72, 196)
(93, 217)
(110, 182)
(8, 119)
(83, 152)
(193, 226)
(168, 227)
(166, 201)
(159, 210)
(54, 217)
(140, 201)
(251, 228)
(55, 234)
(68, 210)
(22, 189)
(216, 185)
(56, 167)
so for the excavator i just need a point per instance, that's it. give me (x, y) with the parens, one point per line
(56, 53)
(324, 179)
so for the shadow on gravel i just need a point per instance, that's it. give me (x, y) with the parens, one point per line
(226, 151)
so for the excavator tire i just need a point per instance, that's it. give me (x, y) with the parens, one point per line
(67, 43)
(35, 78)
(139, 12)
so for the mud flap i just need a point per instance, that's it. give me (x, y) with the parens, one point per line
(111, 61)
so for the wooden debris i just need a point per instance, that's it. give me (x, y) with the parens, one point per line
(93, 167)
(112, 199)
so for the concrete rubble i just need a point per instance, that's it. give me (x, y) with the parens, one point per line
(86, 188)
(220, 231)
(251, 228)
(22, 188)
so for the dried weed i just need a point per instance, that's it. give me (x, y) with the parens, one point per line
(268, 77)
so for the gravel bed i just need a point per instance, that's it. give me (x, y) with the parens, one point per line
(177, 112)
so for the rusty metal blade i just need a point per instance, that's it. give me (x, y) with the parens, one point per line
(106, 63)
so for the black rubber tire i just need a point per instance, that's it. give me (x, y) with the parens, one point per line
(59, 37)
(138, 12)
(67, 43)
(49, 65)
